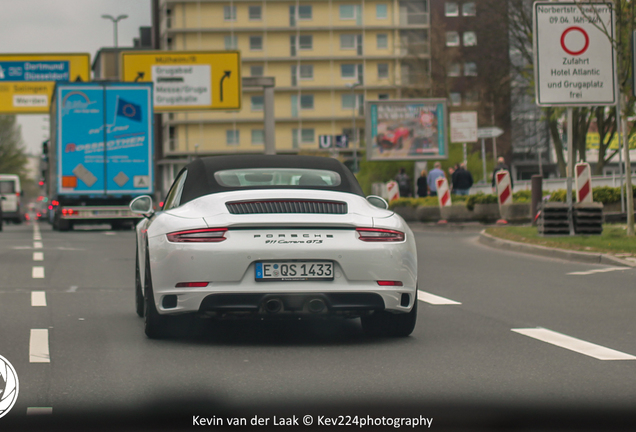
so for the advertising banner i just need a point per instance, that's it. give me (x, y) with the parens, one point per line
(412, 129)
(120, 116)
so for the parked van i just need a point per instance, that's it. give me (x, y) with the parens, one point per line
(10, 194)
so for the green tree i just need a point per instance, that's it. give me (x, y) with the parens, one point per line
(13, 158)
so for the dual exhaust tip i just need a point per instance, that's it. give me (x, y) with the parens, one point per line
(275, 305)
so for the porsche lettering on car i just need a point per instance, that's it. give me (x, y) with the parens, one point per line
(273, 237)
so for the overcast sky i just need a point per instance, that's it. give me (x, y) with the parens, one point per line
(60, 26)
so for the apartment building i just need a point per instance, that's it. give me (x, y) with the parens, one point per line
(327, 56)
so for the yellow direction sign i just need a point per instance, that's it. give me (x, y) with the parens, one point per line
(27, 80)
(187, 80)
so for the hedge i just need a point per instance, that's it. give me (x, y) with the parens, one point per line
(602, 194)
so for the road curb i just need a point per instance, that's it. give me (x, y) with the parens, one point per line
(585, 257)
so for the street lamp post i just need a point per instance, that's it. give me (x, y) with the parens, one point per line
(353, 86)
(116, 41)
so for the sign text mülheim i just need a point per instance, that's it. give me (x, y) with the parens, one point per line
(574, 57)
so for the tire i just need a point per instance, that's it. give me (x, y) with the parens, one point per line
(389, 324)
(154, 324)
(139, 295)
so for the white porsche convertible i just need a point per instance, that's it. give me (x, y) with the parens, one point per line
(274, 236)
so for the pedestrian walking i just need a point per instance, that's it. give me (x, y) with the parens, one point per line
(435, 173)
(501, 165)
(404, 183)
(462, 180)
(422, 185)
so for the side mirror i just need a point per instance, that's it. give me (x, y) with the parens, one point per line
(378, 202)
(142, 205)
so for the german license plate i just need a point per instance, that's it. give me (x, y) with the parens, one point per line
(294, 271)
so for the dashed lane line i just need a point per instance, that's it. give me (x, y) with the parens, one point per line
(38, 256)
(574, 344)
(435, 300)
(38, 272)
(38, 298)
(37, 245)
(39, 346)
(603, 270)
(39, 410)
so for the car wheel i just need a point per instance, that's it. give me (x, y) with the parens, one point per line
(389, 324)
(139, 295)
(63, 225)
(154, 324)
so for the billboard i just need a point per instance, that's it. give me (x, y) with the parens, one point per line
(409, 129)
(27, 80)
(187, 80)
(90, 115)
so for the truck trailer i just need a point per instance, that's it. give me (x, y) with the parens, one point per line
(100, 152)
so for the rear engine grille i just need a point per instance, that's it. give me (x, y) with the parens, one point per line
(283, 206)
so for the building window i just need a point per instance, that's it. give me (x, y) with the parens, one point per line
(256, 71)
(470, 69)
(454, 70)
(258, 136)
(381, 11)
(452, 38)
(347, 41)
(347, 12)
(306, 42)
(348, 71)
(307, 136)
(383, 96)
(470, 38)
(456, 99)
(306, 102)
(451, 9)
(257, 103)
(255, 13)
(348, 101)
(383, 70)
(304, 13)
(232, 137)
(231, 42)
(229, 13)
(469, 9)
(306, 72)
(382, 41)
(256, 43)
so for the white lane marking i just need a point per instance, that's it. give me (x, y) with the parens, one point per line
(38, 256)
(110, 233)
(39, 410)
(574, 344)
(39, 346)
(37, 245)
(37, 237)
(38, 298)
(435, 300)
(72, 289)
(603, 270)
(38, 273)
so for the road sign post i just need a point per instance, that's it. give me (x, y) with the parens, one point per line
(463, 129)
(187, 80)
(483, 133)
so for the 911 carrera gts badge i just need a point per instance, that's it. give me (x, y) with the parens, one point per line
(293, 238)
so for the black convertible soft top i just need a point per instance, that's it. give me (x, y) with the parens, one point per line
(200, 180)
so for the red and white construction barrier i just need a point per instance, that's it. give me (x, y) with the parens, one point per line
(504, 192)
(443, 194)
(504, 189)
(393, 190)
(583, 182)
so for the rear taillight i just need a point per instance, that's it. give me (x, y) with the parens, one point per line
(206, 235)
(390, 283)
(191, 285)
(379, 235)
(69, 212)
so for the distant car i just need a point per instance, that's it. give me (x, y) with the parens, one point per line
(10, 197)
(393, 139)
(274, 237)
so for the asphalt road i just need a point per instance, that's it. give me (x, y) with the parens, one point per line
(483, 348)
